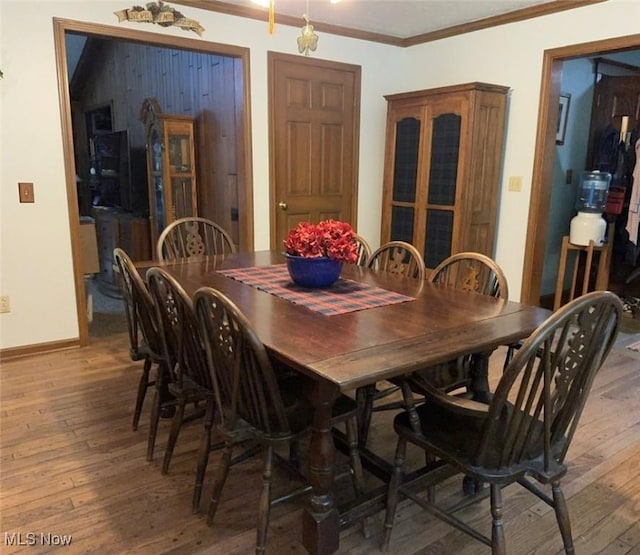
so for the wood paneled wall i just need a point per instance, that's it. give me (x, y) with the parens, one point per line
(204, 86)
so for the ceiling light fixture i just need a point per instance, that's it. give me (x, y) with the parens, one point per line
(308, 41)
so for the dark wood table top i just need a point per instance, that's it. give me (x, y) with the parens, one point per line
(363, 347)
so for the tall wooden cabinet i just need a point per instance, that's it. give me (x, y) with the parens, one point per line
(442, 169)
(171, 167)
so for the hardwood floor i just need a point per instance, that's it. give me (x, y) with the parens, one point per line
(72, 467)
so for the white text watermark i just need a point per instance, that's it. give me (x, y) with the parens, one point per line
(36, 538)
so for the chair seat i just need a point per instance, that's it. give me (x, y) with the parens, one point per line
(189, 390)
(447, 376)
(458, 434)
(143, 351)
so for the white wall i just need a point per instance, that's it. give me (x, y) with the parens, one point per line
(512, 55)
(35, 254)
(35, 257)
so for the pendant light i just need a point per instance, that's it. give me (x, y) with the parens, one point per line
(308, 40)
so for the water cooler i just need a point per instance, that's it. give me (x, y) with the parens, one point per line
(589, 225)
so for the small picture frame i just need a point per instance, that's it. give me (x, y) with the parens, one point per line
(563, 116)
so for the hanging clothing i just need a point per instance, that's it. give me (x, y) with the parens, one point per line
(633, 219)
(606, 157)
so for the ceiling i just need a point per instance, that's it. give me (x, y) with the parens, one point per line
(399, 22)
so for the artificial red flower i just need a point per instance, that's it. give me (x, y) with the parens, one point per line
(330, 238)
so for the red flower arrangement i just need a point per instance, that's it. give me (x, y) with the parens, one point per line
(329, 238)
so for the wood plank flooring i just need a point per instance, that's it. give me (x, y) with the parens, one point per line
(72, 468)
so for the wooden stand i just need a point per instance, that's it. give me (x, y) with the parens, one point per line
(604, 262)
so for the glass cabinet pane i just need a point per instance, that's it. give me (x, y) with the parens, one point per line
(156, 150)
(445, 148)
(405, 171)
(158, 189)
(179, 153)
(182, 194)
(439, 233)
(402, 224)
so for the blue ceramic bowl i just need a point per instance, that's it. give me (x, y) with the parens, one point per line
(313, 272)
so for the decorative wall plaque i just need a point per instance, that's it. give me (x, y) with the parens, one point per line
(160, 13)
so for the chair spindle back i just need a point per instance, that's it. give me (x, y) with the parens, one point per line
(472, 271)
(193, 236)
(399, 258)
(138, 306)
(179, 329)
(540, 397)
(244, 378)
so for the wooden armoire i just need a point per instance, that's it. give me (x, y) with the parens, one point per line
(442, 169)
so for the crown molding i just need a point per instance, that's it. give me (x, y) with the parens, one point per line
(493, 21)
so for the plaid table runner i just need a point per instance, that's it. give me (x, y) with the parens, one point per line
(343, 296)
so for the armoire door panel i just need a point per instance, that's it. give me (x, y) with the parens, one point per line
(443, 163)
(406, 157)
(402, 224)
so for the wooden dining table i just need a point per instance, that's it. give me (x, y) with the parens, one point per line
(339, 353)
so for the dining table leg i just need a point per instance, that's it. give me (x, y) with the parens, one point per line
(480, 377)
(320, 527)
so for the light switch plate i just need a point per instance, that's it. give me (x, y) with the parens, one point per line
(515, 184)
(25, 192)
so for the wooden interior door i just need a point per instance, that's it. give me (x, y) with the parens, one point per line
(314, 131)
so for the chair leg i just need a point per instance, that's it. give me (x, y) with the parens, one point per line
(364, 411)
(393, 493)
(498, 546)
(176, 425)
(153, 426)
(221, 478)
(562, 516)
(356, 468)
(143, 384)
(265, 502)
(203, 456)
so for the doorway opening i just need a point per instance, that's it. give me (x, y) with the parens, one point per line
(541, 192)
(140, 65)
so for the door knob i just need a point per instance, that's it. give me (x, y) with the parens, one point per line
(283, 205)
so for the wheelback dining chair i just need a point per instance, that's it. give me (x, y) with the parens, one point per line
(399, 258)
(144, 338)
(193, 236)
(404, 260)
(190, 382)
(259, 402)
(467, 271)
(364, 250)
(523, 433)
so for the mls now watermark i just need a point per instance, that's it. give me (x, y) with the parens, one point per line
(36, 538)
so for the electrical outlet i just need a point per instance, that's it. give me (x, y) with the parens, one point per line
(5, 304)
